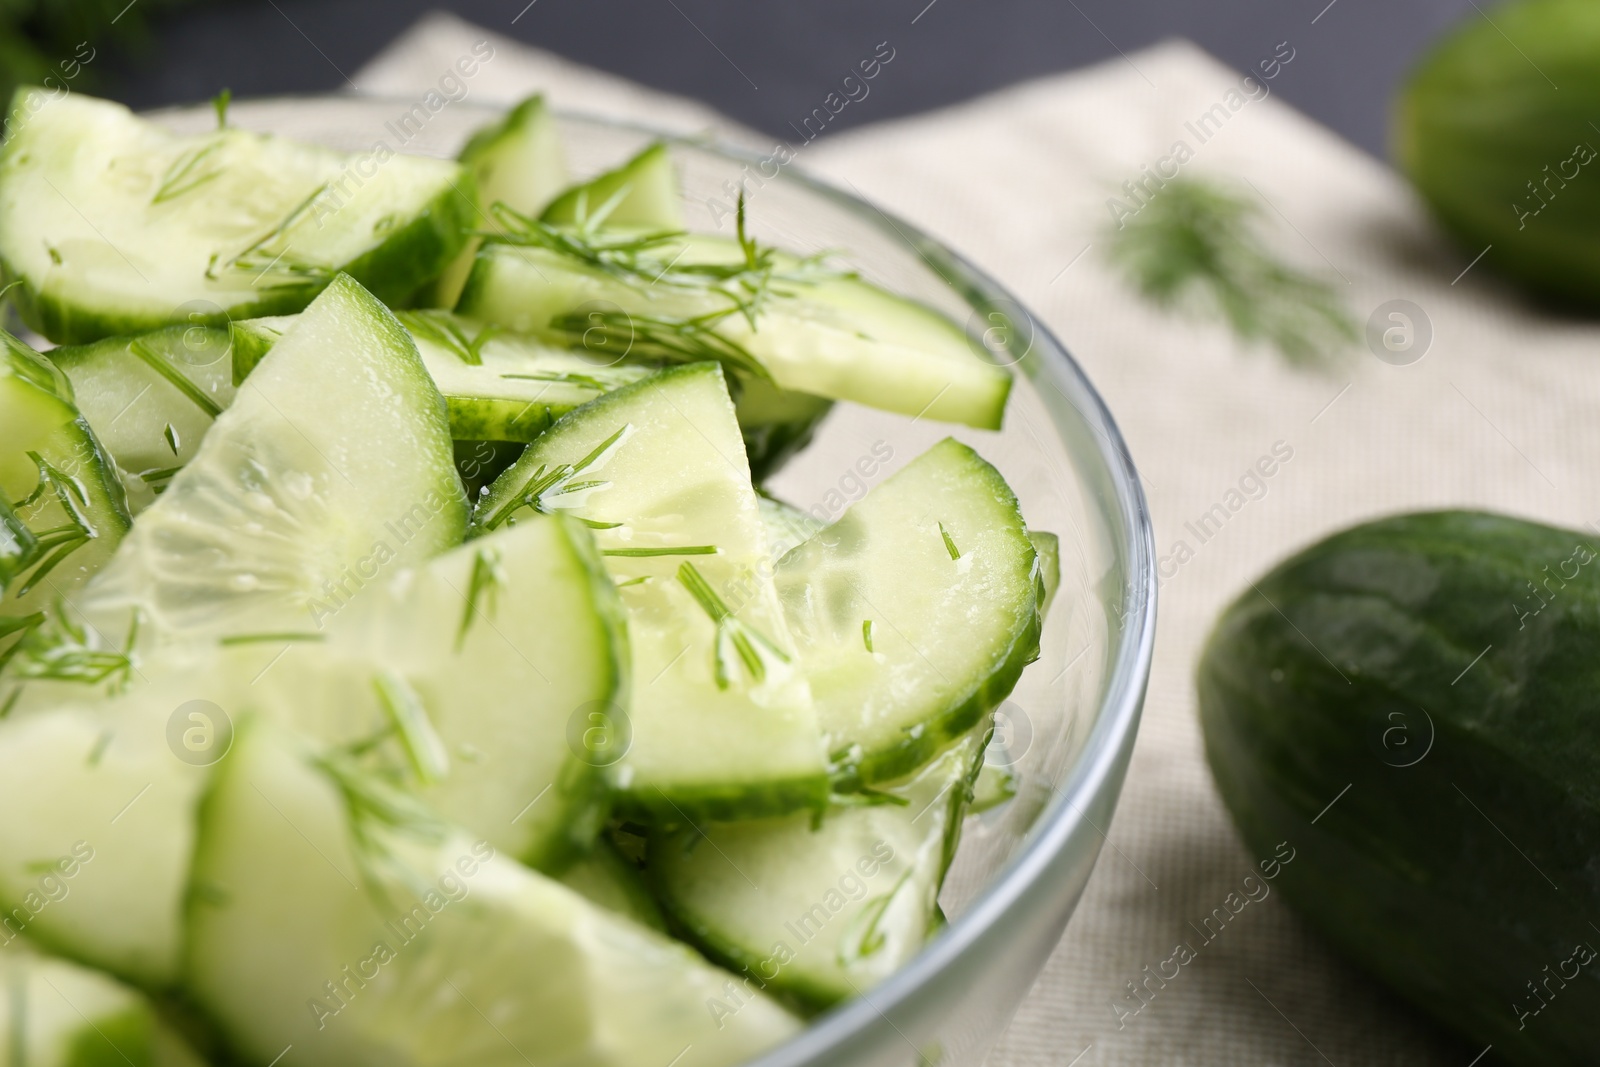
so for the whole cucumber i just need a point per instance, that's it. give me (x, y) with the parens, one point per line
(1414, 705)
(1497, 129)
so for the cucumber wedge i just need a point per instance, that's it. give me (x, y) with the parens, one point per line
(57, 1014)
(786, 525)
(821, 913)
(518, 162)
(643, 192)
(721, 722)
(608, 878)
(96, 871)
(331, 925)
(151, 398)
(914, 613)
(114, 225)
(815, 331)
(505, 647)
(777, 423)
(332, 467)
(62, 507)
(1047, 546)
(497, 386)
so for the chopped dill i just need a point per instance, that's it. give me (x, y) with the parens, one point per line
(747, 642)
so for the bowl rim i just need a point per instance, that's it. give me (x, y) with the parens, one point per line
(1105, 751)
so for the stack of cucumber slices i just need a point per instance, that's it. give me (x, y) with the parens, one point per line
(400, 661)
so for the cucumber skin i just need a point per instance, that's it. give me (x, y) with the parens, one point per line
(394, 271)
(944, 729)
(1478, 122)
(589, 792)
(1402, 873)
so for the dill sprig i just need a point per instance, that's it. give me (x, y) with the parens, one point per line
(652, 260)
(1194, 247)
(547, 483)
(483, 589)
(425, 751)
(41, 551)
(596, 382)
(57, 649)
(445, 330)
(377, 812)
(748, 643)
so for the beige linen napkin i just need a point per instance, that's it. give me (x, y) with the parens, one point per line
(1498, 414)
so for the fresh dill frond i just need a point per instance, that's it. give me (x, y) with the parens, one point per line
(748, 643)
(1194, 247)
(444, 330)
(653, 261)
(483, 589)
(547, 483)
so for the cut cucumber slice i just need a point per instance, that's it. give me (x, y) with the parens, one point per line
(151, 398)
(500, 387)
(115, 225)
(497, 386)
(777, 423)
(915, 612)
(824, 912)
(1047, 547)
(816, 332)
(332, 467)
(57, 1014)
(509, 646)
(721, 721)
(322, 933)
(643, 192)
(62, 507)
(786, 525)
(518, 162)
(609, 879)
(97, 870)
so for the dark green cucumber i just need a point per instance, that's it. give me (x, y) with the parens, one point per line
(1409, 710)
(1503, 157)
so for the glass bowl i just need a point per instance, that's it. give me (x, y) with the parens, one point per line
(1068, 729)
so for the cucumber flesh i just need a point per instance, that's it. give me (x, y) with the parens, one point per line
(497, 386)
(934, 571)
(97, 872)
(62, 507)
(151, 398)
(57, 1014)
(333, 465)
(114, 225)
(777, 423)
(786, 525)
(829, 335)
(608, 878)
(518, 162)
(643, 192)
(1047, 547)
(721, 721)
(320, 931)
(821, 913)
(503, 644)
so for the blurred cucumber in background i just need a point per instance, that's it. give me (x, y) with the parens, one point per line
(1499, 128)
(63, 44)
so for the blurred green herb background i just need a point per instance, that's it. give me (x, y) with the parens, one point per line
(1196, 247)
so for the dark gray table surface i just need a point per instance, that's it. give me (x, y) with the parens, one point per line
(769, 63)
